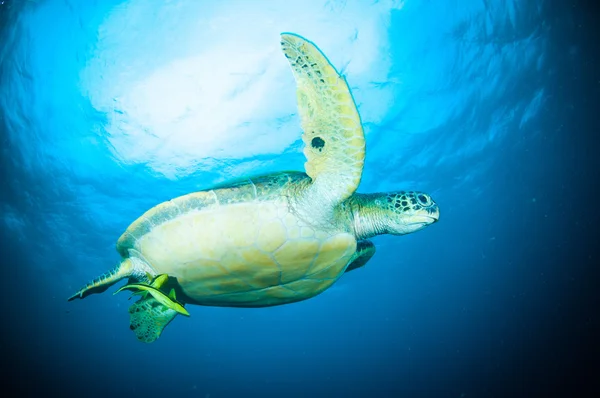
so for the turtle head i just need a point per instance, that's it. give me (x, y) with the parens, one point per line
(408, 211)
(396, 213)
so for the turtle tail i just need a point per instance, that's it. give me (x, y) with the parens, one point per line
(104, 281)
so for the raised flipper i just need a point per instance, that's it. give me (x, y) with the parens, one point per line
(159, 296)
(148, 318)
(333, 134)
(364, 251)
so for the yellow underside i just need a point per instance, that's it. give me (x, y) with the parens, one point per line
(246, 254)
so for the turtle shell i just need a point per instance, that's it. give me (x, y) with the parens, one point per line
(241, 245)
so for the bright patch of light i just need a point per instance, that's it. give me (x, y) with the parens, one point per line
(189, 82)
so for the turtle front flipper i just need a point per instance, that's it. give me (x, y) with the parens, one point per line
(333, 134)
(365, 249)
(148, 318)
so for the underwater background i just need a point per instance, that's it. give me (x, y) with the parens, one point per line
(109, 107)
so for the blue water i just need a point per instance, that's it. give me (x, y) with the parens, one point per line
(110, 107)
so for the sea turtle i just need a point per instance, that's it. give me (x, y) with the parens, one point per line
(273, 239)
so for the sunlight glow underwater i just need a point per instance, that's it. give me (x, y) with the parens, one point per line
(224, 93)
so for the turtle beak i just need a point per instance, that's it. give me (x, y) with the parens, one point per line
(434, 213)
(426, 216)
(422, 220)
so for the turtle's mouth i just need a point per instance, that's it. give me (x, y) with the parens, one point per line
(423, 220)
(426, 216)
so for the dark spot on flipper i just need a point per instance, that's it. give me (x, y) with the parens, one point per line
(318, 143)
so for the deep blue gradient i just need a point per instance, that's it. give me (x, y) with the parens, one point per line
(490, 106)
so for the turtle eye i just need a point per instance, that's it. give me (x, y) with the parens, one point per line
(424, 200)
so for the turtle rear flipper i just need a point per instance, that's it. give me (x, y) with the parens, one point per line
(135, 267)
(148, 318)
(106, 280)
